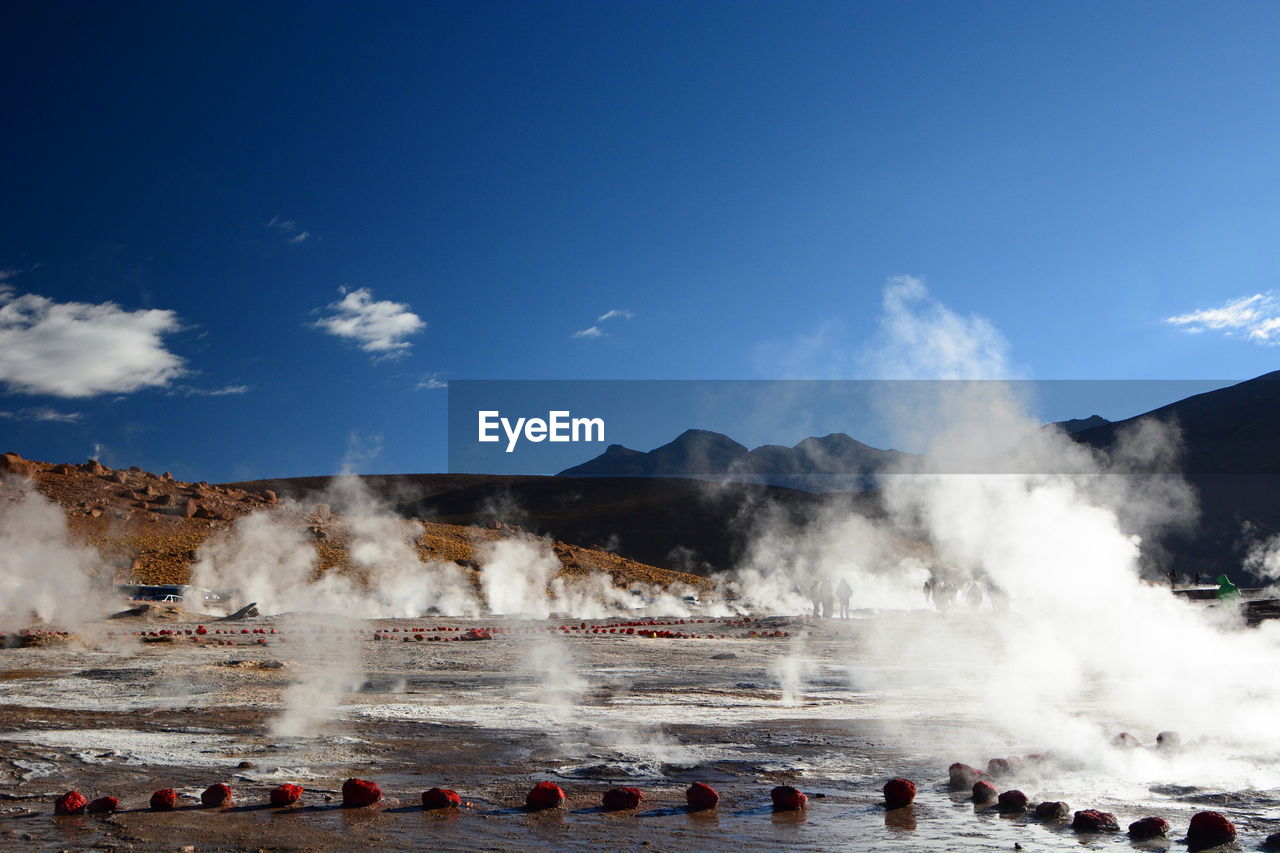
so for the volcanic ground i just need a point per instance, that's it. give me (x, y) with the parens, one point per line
(131, 706)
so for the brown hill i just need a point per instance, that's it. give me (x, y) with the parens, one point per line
(148, 527)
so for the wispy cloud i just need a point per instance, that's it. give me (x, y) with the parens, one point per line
(1256, 317)
(224, 391)
(381, 327)
(595, 331)
(81, 349)
(432, 382)
(42, 414)
(289, 228)
(615, 312)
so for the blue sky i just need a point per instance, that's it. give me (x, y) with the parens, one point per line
(240, 240)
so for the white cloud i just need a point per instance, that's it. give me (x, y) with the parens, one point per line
(289, 228)
(377, 326)
(80, 349)
(432, 382)
(42, 414)
(1257, 317)
(224, 391)
(592, 332)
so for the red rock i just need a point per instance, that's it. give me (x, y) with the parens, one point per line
(617, 799)
(962, 776)
(983, 791)
(164, 800)
(1092, 820)
(358, 793)
(216, 795)
(786, 799)
(103, 805)
(998, 767)
(899, 793)
(545, 795)
(1209, 829)
(478, 634)
(440, 798)
(700, 796)
(72, 802)
(1126, 741)
(1149, 827)
(286, 795)
(1053, 810)
(1012, 802)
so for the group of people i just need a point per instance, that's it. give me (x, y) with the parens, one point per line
(945, 590)
(824, 597)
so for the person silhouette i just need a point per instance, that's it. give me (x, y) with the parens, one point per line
(844, 592)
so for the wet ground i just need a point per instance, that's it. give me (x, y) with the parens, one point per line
(321, 700)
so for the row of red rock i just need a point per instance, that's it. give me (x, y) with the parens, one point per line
(1207, 829)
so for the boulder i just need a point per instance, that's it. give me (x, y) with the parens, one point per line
(12, 463)
(164, 800)
(358, 793)
(1012, 802)
(1148, 827)
(216, 796)
(701, 796)
(93, 466)
(983, 791)
(1092, 820)
(545, 795)
(898, 793)
(787, 799)
(72, 802)
(618, 799)
(1124, 740)
(962, 776)
(103, 805)
(1209, 829)
(1053, 810)
(189, 508)
(285, 795)
(269, 496)
(440, 798)
(999, 767)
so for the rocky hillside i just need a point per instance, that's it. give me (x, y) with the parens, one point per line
(148, 527)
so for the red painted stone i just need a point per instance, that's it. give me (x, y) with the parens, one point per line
(983, 791)
(1092, 820)
(164, 800)
(440, 798)
(358, 793)
(1209, 829)
(103, 805)
(701, 796)
(899, 793)
(617, 799)
(545, 795)
(1148, 827)
(786, 799)
(72, 802)
(1012, 802)
(962, 776)
(216, 795)
(285, 795)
